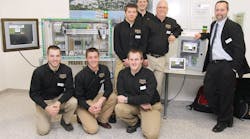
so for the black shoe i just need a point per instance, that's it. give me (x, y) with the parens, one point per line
(131, 129)
(230, 123)
(78, 120)
(104, 125)
(67, 127)
(112, 118)
(220, 126)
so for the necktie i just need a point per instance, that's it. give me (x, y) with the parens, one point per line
(212, 42)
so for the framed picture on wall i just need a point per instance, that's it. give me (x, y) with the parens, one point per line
(19, 34)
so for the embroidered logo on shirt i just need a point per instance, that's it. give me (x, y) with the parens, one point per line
(168, 26)
(62, 76)
(142, 81)
(101, 75)
(137, 31)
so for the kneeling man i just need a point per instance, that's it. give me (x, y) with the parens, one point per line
(52, 89)
(94, 108)
(138, 99)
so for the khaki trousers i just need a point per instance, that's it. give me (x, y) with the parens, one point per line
(150, 120)
(43, 119)
(118, 67)
(158, 65)
(89, 122)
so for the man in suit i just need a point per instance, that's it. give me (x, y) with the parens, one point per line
(225, 57)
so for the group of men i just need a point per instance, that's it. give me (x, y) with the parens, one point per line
(141, 43)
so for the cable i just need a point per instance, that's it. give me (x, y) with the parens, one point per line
(27, 60)
(182, 85)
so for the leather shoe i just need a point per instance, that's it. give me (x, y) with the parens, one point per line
(112, 118)
(104, 125)
(131, 129)
(67, 127)
(230, 123)
(220, 126)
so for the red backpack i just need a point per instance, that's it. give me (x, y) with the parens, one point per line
(200, 102)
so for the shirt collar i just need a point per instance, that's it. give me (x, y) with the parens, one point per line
(125, 21)
(49, 69)
(144, 14)
(222, 22)
(136, 73)
(160, 20)
(90, 70)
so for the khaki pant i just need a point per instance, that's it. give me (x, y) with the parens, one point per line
(150, 120)
(158, 65)
(44, 120)
(118, 67)
(89, 122)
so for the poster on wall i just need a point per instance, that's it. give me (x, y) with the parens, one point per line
(239, 18)
(90, 9)
(200, 13)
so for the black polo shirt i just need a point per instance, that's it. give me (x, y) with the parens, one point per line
(128, 37)
(88, 84)
(139, 88)
(47, 84)
(147, 16)
(158, 34)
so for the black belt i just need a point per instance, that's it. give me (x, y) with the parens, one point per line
(218, 61)
(155, 55)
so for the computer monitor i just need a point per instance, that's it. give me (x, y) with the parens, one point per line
(19, 34)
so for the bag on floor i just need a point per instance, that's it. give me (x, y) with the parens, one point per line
(200, 102)
(241, 109)
(242, 99)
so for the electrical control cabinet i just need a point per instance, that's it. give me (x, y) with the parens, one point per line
(74, 36)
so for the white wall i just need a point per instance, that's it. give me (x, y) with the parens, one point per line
(2, 71)
(17, 71)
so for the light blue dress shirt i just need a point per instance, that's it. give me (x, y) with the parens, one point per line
(218, 53)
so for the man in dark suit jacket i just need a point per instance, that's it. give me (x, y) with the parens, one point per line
(225, 57)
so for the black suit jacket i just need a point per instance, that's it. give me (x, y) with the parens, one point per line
(233, 43)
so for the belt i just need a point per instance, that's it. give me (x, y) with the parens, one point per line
(155, 55)
(218, 61)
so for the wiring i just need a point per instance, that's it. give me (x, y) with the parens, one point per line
(27, 60)
(180, 90)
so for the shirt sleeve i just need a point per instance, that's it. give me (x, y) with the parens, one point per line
(205, 36)
(80, 92)
(120, 84)
(143, 46)
(69, 88)
(108, 88)
(177, 29)
(238, 48)
(117, 43)
(35, 89)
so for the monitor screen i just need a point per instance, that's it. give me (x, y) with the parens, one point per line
(20, 34)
